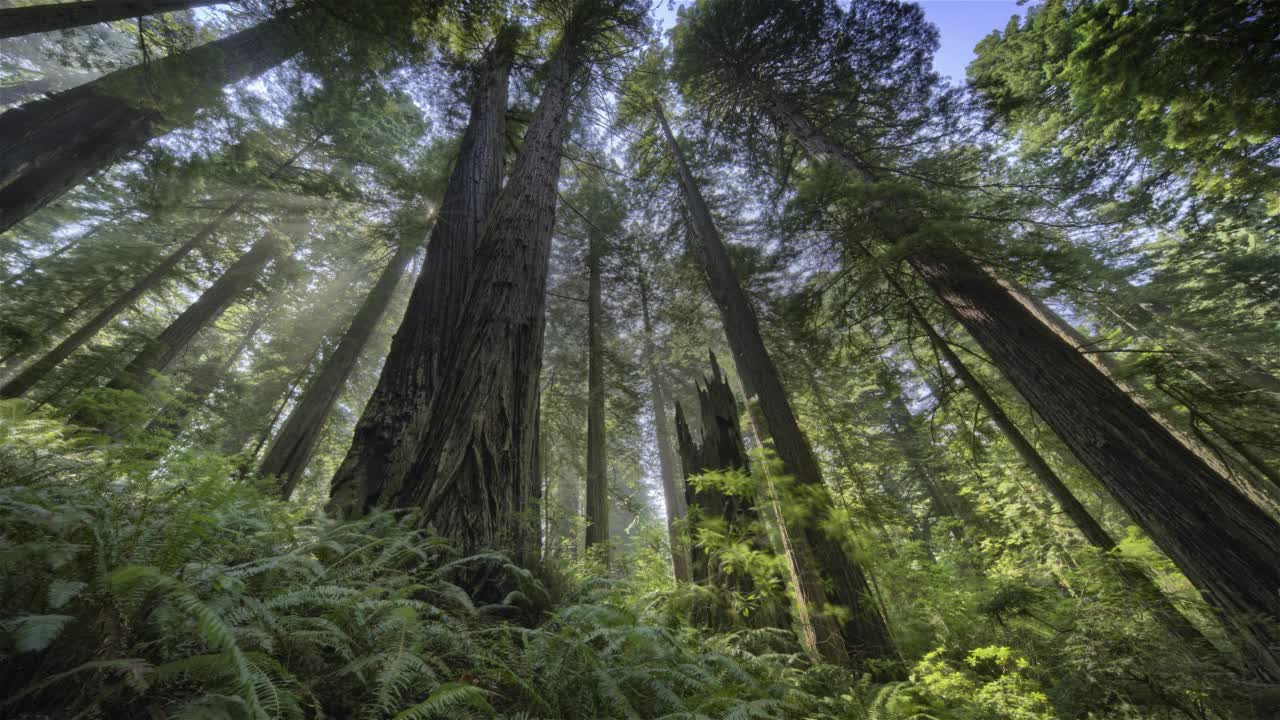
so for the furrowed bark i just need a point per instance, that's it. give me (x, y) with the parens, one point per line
(50, 145)
(816, 560)
(294, 444)
(597, 454)
(19, 21)
(475, 471)
(378, 465)
(1224, 544)
(673, 491)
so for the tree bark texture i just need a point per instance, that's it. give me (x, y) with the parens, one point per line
(597, 448)
(19, 21)
(294, 444)
(378, 465)
(817, 561)
(50, 145)
(1226, 545)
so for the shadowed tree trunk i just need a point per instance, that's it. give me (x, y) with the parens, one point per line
(19, 21)
(476, 475)
(50, 145)
(673, 491)
(382, 452)
(294, 444)
(733, 518)
(159, 353)
(597, 450)
(816, 560)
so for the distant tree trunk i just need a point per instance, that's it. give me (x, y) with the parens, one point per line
(474, 473)
(377, 466)
(597, 451)
(817, 561)
(673, 491)
(19, 21)
(294, 444)
(1225, 544)
(36, 371)
(204, 380)
(14, 357)
(157, 354)
(50, 145)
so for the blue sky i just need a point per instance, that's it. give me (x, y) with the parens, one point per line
(961, 24)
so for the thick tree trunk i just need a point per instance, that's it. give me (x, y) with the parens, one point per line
(294, 444)
(159, 353)
(673, 491)
(19, 21)
(597, 451)
(50, 145)
(394, 422)
(475, 472)
(1226, 545)
(817, 561)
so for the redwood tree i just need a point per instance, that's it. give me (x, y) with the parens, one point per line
(19, 21)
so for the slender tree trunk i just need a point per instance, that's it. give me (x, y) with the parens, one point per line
(1225, 544)
(36, 371)
(19, 21)
(673, 492)
(204, 380)
(393, 423)
(50, 145)
(294, 444)
(159, 353)
(817, 561)
(597, 452)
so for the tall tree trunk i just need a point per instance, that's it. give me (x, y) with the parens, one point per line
(392, 424)
(204, 380)
(36, 371)
(673, 492)
(816, 560)
(474, 473)
(19, 21)
(1224, 543)
(159, 353)
(294, 444)
(50, 145)
(597, 451)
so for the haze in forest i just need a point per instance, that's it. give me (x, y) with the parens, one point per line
(545, 359)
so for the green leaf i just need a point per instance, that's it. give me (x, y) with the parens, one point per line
(62, 592)
(32, 633)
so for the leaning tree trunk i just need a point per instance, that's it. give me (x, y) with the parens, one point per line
(19, 21)
(597, 456)
(159, 353)
(393, 423)
(673, 492)
(1226, 545)
(294, 444)
(36, 371)
(205, 378)
(816, 560)
(50, 145)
